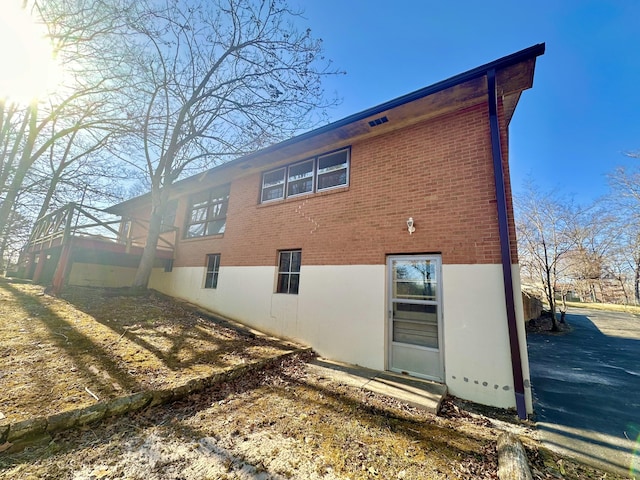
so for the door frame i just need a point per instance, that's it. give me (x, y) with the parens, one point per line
(389, 300)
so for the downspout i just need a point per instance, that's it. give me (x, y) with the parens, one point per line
(505, 246)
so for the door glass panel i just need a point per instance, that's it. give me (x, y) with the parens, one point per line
(414, 280)
(415, 324)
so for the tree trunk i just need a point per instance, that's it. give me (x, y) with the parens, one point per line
(159, 198)
(552, 302)
(53, 184)
(563, 308)
(636, 281)
(21, 171)
(624, 290)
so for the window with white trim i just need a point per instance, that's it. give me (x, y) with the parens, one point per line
(207, 214)
(213, 268)
(330, 170)
(289, 262)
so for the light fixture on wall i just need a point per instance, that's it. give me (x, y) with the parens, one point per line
(410, 226)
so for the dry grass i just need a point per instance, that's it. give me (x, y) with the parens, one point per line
(56, 352)
(611, 307)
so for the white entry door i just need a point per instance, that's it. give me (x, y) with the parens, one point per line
(415, 316)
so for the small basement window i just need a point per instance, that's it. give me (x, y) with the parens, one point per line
(213, 268)
(289, 262)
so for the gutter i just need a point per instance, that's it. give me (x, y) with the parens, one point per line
(505, 245)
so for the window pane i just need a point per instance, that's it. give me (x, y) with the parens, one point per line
(300, 178)
(196, 230)
(216, 227)
(415, 280)
(332, 179)
(199, 199)
(285, 262)
(273, 178)
(283, 283)
(333, 161)
(417, 290)
(273, 193)
(414, 270)
(198, 214)
(300, 186)
(301, 170)
(294, 282)
(217, 210)
(296, 259)
(211, 276)
(415, 324)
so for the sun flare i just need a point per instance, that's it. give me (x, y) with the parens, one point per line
(28, 69)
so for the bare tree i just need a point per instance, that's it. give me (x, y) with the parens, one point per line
(545, 225)
(83, 112)
(597, 233)
(625, 198)
(215, 80)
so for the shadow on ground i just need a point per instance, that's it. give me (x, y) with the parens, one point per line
(66, 354)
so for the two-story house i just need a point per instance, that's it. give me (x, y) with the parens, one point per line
(385, 239)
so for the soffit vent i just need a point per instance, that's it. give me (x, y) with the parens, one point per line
(378, 121)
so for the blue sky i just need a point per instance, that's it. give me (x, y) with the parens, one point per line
(568, 132)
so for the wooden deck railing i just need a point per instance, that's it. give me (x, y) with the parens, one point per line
(73, 220)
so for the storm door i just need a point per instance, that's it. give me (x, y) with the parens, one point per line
(415, 316)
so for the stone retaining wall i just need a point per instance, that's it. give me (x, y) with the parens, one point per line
(15, 436)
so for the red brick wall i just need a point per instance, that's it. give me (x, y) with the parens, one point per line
(439, 172)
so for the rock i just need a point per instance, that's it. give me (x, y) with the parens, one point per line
(4, 433)
(92, 414)
(27, 428)
(62, 421)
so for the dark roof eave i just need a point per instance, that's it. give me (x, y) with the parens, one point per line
(514, 58)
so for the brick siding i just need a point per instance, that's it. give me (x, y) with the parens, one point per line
(439, 172)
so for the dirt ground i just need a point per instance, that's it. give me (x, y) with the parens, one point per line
(286, 422)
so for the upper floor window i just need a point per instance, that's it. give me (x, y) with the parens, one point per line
(207, 213)
(313, 175)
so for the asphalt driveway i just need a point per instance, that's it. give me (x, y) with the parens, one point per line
(586, 387)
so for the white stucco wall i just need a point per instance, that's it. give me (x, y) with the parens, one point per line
(94, 275)
(341, 312)
(476, 337)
